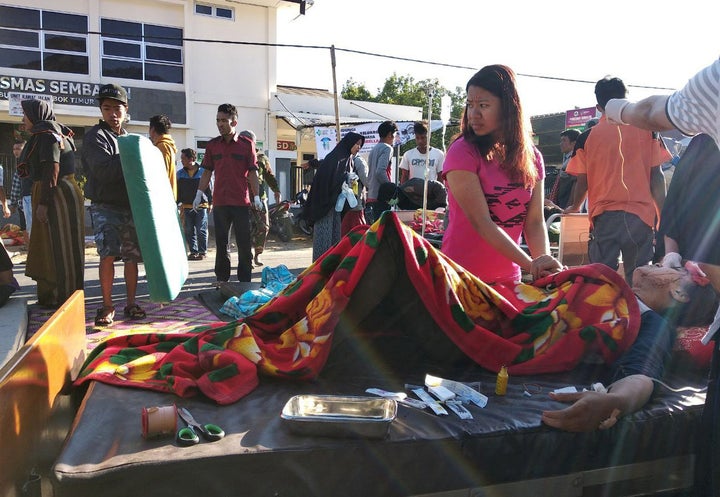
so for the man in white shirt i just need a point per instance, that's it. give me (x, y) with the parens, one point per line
(413, 162)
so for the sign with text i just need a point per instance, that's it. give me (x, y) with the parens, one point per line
(15, 101)
(325, 139)
(286, 145)
(61, 92)
(577, 118)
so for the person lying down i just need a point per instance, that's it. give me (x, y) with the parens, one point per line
(667, 297)
(388, 270)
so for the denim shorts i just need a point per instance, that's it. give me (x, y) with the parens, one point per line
(115, 234)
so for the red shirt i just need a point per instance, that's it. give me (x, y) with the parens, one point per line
(231, 162)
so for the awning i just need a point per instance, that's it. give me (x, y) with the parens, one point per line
(302, 111)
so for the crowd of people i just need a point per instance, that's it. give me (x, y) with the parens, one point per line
(52, 204)
(494, 177)
(495, 182)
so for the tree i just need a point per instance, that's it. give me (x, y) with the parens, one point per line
(352, 90)
(404, 90)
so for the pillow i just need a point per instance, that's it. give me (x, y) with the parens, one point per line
(689, 347)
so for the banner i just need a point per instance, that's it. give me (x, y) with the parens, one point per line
(577, 118)
(15, 101)
(325, 137)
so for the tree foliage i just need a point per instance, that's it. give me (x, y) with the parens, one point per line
(353, 90)
(404, 90)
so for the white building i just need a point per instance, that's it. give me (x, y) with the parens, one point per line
(177, 57)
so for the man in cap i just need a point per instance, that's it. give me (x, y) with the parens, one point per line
(115, 235)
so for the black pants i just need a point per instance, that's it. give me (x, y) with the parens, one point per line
(238, 218)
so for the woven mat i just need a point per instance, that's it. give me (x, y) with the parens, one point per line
(177, 316)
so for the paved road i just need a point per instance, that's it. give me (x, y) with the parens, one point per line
(295, 254)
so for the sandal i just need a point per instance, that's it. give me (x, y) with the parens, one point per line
(105, 316)
(134, 311)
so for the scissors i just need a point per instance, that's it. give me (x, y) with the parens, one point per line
(189, 436)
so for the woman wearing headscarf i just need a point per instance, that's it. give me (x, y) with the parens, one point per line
(335, 170)
(56, 255)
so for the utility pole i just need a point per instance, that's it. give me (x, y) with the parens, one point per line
(335, 93)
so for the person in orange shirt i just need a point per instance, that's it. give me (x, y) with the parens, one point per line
(160, 136)
(618, 169)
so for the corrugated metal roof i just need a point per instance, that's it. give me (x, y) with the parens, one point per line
(297, 90)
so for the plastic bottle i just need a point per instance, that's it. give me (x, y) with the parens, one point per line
(501, 382)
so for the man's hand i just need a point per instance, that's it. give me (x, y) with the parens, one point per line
(552, 205)
(257, 203)
(6, 210)
(614, 109)
(590, 411)
(198, 200)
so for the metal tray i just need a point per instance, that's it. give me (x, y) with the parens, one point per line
(339, 416)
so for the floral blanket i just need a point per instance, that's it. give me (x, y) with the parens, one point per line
(548, 326)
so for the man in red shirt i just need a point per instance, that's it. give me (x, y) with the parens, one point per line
(232, 158)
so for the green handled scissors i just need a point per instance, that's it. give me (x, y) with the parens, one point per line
(189, 436)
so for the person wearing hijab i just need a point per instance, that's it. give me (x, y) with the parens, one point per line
(56, 254)
(321, 208)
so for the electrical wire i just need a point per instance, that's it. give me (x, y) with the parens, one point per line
(301, 120)
(365, 53)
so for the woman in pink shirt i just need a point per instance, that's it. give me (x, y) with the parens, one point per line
(495, 179)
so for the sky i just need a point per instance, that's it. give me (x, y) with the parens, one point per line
(658, 44)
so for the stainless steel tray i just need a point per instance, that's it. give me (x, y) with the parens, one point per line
(339, 416)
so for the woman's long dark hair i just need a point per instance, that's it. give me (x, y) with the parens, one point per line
(514, 150)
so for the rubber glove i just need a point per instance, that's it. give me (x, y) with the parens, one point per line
(198, 200)
(672, 260)
(614, 108)
(257, 203)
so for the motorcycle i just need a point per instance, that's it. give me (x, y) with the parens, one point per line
(296, 210)
(280, 220)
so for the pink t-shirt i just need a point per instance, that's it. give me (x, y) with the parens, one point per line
(508, 204)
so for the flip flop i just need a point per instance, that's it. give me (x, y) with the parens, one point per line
(134, 311)
(105, 316)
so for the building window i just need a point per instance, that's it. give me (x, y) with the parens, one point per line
(141, 51)
(214, 11)
(42, 40)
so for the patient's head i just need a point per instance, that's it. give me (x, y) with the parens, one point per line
(676, 293)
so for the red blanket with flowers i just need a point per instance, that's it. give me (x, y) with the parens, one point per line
(544, 327)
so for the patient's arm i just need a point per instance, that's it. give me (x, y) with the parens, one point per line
(593, 410)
